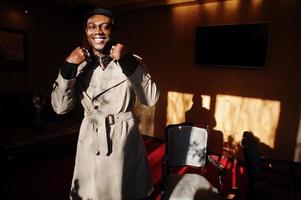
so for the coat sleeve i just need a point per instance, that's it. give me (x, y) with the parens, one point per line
(145, 88)
(62, 96)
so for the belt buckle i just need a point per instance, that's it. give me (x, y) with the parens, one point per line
(110, 119)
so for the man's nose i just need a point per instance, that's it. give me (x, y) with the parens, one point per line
(98, 29)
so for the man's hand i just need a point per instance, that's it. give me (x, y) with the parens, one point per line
(118, 51)
(77, 56)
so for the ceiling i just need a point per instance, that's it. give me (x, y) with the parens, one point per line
(102, 3)
(124, 4)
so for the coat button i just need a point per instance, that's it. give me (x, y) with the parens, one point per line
(96, 129)
(97, 153)
(96, 107)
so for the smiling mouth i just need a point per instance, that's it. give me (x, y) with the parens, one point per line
(99, 40)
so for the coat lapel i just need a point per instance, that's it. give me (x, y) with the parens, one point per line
(108, 79)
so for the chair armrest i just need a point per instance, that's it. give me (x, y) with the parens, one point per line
(234, 192)
(222, 170)
(217, 164)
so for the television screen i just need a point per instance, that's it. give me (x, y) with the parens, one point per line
(242, 45)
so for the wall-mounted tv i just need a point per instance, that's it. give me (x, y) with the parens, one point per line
(239, 45)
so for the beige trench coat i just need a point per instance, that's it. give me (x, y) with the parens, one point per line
(111, 161)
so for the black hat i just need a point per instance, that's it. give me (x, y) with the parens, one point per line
(99, 11)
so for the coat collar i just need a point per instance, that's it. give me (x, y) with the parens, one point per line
(108, 78)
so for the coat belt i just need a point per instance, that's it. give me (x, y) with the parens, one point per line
(103, 140)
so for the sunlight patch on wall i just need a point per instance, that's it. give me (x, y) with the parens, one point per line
(146, 116)
(236, 114)
(206, 101)
(179, 103)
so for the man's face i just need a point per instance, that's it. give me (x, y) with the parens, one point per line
(98, 32)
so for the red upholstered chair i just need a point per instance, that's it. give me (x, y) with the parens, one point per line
(186, 146)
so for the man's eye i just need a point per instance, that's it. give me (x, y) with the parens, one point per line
(106, 26)
(91, 27)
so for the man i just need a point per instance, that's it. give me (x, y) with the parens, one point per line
(111, 161)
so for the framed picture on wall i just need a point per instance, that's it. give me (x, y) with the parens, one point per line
(13, 47)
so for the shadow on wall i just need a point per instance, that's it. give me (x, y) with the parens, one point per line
(202, 117)
(217, 144)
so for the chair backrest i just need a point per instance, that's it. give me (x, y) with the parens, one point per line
(186, 145)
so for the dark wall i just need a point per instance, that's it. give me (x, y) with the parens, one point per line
(164, 37)
(52, 32)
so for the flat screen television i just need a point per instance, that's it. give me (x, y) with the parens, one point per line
(239, 45)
